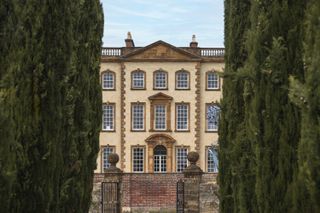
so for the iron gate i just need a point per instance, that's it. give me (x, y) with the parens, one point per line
(110, 197)
(180, 196)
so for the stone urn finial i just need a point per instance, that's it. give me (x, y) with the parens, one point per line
(193, 157)
(193, 169)
(113, 159)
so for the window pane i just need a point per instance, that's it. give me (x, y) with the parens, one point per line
(213, 81)
(137, 117)
(160, 117)
(108, 80)
(182, 80)
(138, 80)
(105, 153)
(181, 159)
(212, 160)
(213, 114)
(182, 116)
(160, 163)
(160, 80)
(108, 117)
(138, 159)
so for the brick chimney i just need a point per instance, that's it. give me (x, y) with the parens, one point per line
(194, 43)
(129, 41)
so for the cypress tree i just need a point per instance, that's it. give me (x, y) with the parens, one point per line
(9, 146)
(7, 150)
(51, 132)
(263, 148)
(46, 46)
(307, 96)
(83, 110)
(235, 176)
(272, 122)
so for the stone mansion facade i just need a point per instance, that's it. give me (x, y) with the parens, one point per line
(159, 103)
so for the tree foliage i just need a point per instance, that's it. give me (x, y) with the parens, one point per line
(306, 95)
(235, 169)
(269, 158)
(50, 90)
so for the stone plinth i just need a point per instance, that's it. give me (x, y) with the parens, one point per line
(113, 174)
(192, 180)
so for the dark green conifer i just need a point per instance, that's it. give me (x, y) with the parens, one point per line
(306, 95)
(8, 144)
(260, 127)
(274, 45)
(83, 111)
(50, 85)
(235, 176)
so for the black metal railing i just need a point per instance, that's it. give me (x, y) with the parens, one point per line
(180, 196)
(110, 197)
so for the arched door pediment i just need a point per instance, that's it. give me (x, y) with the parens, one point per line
(160, 139)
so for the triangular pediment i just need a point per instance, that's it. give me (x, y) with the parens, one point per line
(160, 96)
(161, 50)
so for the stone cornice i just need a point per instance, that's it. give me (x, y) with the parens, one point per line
(117, 60)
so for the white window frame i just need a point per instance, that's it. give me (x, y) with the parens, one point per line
(160, 161)
(138, 159)
(212, 127)
(138, 78)
(181, 160)
(162, 120)
(163, 80)
(211, 160)
(104, 156)
(105, 81)
(214, 82)
(138, 115)
(180, 81)
(106, 108)
(180, 120)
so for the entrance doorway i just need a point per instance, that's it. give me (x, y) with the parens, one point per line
(160, 151)
(160, 159)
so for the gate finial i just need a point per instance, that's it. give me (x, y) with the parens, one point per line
(113, 159)
(193, 169)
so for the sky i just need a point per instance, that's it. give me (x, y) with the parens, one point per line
(173, 21)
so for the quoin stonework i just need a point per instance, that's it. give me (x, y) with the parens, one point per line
(159, 103)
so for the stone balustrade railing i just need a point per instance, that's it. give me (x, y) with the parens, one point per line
(203, 52)
(212, 52)
(111, 51)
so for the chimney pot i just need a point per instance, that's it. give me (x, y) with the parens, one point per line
(129, 40)
(129, 36)
(194, 43)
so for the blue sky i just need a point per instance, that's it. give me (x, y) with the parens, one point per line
(173, 21)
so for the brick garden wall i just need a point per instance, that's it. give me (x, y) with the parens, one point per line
(150, 192)
(154, 191)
